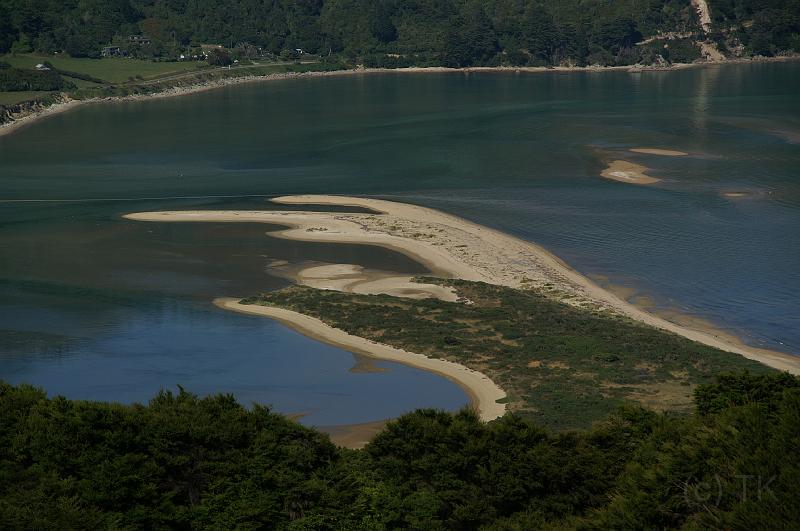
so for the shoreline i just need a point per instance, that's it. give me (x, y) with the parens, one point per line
(454, 247)
(182, 90)
(481, 390)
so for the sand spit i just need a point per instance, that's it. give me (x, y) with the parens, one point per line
(454, 247)
(628, 172)
(483, 393)
(658, 151)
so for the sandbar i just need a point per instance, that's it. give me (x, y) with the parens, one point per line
(657, 151)
(454, 247)
(628, 172)
(483, 392)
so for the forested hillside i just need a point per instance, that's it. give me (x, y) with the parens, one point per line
(181, 462)
(405, 32)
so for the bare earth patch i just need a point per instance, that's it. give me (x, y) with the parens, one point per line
(664, 396)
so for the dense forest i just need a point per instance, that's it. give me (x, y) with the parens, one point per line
(404, 32)
(185, 462)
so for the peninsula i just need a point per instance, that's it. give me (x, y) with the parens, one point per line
(502, 317)
(456, 248)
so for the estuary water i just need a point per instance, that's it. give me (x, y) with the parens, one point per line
(94, 306)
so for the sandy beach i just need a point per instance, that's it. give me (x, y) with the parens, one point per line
(453, 247)
(483, 393)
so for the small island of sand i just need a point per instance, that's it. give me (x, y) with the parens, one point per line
(628, 172)
(658, 151)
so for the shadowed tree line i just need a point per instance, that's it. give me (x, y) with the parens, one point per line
(185, 462)
(399, 32)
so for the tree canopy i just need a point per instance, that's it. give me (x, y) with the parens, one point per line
(395, 32)
(187, 462)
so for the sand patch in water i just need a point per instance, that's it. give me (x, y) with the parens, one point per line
(658, 151)
(628, 172)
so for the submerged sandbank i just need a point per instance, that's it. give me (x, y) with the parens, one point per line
(483, 393)
(454, 247)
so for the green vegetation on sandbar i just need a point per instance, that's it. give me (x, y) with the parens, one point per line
(181, 462)
(562, 367)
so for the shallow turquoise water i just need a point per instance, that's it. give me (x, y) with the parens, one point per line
(520, 152)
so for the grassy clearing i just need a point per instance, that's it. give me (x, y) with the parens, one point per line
(562, 367)
(82, 83)
(12, 98)
(114, 77)
(110, 69)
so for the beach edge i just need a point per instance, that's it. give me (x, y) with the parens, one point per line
(481, 390)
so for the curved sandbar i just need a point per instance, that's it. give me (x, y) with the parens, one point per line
(455, 247)
(483, 393)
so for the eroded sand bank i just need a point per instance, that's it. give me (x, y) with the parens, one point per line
(451, 246)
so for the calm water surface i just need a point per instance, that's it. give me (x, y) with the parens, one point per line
(98, 307)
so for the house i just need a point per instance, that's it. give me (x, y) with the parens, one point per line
(111, 51)
(206, 49)
(139, 40)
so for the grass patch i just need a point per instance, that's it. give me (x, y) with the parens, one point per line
(110, 69)
(12, 98)
(563, 367)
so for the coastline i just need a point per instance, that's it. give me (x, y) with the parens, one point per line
(483, 392)
(68, 103)
(454, 247)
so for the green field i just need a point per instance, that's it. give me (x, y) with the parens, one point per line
(562, 367)
(11, 98)
(111, 69)
(131, 76)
